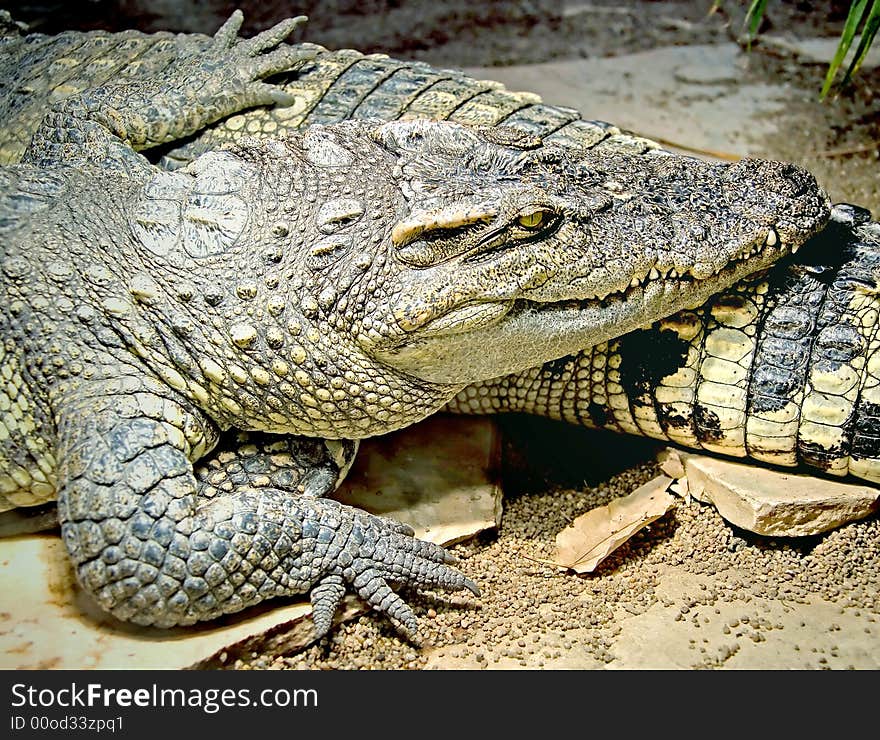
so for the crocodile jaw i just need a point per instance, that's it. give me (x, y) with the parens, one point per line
(516, 335)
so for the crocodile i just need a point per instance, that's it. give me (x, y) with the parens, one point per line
(724, 401)
(190, 356)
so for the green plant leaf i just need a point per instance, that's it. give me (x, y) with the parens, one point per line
(856, 12)
(754, 15)
(869, 31)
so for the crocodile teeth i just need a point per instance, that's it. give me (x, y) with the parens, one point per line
(772, 238)
(653, 275)
(795, 248)
(635, 283)
(673, 273)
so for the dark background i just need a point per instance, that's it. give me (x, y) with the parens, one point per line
(454, 32)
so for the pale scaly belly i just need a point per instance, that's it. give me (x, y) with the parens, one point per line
(27, 462)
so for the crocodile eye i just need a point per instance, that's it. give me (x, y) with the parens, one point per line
(535, 219)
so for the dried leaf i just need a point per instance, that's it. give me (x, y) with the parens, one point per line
(593, 536)
(681, 488)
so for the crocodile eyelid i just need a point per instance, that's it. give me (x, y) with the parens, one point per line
(418, 224)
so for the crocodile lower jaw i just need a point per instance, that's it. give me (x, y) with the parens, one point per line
(479, 341)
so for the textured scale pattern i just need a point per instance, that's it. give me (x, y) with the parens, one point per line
(123, 358)
(781, 368)
(346, 84)
(151, 363)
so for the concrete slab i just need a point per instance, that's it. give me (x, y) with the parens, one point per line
(547, 651)
(685, 630)
(820, 50)
(46, 621)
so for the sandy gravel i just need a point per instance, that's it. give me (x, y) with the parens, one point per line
(711, 591)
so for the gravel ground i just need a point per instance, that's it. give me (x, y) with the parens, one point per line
(534, 616)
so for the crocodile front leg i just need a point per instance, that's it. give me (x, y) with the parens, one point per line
(106, 125)
(157, 545)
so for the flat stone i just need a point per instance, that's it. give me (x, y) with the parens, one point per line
(435, 476)
(775, 503)
(820, 50)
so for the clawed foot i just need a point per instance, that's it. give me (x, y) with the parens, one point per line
(254, 59)
(371, 554)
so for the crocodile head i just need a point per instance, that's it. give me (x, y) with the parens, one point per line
(355, 276)
(512, 253)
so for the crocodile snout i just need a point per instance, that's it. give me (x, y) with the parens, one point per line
(778, 194)
(783, 178)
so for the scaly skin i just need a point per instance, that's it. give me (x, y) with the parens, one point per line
(332, 87)
(109, 274)
(346, 84)
(783, 368)
(344, 282)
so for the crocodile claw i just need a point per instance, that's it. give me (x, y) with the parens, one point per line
(271, 37)
(261, 56)
(228, 32)
(326, 597)
(370, 554)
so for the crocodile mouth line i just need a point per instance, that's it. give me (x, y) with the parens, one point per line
(770, 244)
(658, 284)
(671, 279)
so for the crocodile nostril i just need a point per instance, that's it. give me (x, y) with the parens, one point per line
(783, 178)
